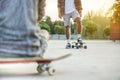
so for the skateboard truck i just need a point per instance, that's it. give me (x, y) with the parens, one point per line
(79, 45)
(45, 67)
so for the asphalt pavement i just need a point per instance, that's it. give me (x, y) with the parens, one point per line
(100, 61)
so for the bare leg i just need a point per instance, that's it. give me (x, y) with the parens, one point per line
(78, 29)
(68, 37)
(78, 22)
(67, 32)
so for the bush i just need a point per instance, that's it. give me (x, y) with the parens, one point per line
(43, 25)
(107, 30)
(59, 29)
(90, 27)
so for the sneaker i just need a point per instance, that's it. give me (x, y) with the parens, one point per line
(68, 46)
(79, 40)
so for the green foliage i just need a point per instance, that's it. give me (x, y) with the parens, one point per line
(93, 25)
(43, 25)
(59, 22)
(90, 27)
(48, 20)
(107, 30)
(98, 19)
(59, 29)
(60, 26)
(50, 23)
(73, 28)
(114, 11)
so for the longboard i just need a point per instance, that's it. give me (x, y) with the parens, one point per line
(43, 64)
(79, 45)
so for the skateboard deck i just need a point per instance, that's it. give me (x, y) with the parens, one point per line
(34, 59)
(43, 64)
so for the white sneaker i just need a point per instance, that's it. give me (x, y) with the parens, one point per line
(68, 46)
(79, 40)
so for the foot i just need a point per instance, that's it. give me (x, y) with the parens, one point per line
(79, 40)
(68, 46)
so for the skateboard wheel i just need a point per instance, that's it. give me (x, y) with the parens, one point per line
(77, 47)
(51, 71)
(76, 44)
(39, 69)
(85, 47)
(72, 46)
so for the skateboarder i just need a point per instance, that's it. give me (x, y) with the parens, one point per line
(20, 34)
(70, 9)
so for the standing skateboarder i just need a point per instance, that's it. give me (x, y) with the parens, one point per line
(20, 34)
(70, 9)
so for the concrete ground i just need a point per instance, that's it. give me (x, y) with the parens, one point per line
(100, 61)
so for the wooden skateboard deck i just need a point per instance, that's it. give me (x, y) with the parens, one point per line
(34, 59)
(77, 42)
(43, 64)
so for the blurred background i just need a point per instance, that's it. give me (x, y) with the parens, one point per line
(98, 18)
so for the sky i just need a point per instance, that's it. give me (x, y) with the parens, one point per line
(88, 5)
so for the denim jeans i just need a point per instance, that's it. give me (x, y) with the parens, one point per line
(19, 30)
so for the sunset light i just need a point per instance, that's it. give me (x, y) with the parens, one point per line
(96, 5)
(88, 5)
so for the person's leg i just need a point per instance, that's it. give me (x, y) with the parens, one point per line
(78, 29)
(18, 36)
(77, 20)
(67, 29)
(67, 32)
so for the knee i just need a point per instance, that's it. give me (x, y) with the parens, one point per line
(67, 27)
(77, 20)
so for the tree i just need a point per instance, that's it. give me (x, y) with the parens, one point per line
(50, 23)
(73, 28)
(58, 25)
(99, 19)
(59, 29)
(114, 12)
(59, 22)
(107, 30)
(90, 27)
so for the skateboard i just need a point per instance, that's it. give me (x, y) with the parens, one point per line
(43, 64)
(78, 45)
